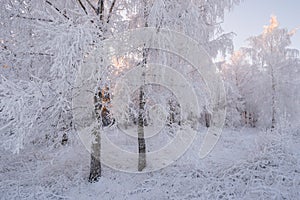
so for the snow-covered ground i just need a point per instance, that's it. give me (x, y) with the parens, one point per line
(245, 164)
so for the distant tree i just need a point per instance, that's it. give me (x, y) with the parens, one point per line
(239, 77)
(270, 54)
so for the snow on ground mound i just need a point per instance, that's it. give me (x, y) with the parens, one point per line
(238, 168)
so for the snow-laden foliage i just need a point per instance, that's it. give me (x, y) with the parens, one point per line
(266, 75)
(272, 173)
(45, 42)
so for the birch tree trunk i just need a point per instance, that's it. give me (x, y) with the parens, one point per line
(141, 117)
(273, 99)
(100, 100)
(141, 137)
(95, 168)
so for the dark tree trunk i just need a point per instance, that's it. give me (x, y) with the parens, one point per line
(95, 169)
(273, 99)
(141, 138)
(64, 139)
(101, 99)
(141, 117)
(207, 117)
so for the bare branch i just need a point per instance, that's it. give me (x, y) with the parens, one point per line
(82, 6)
(27, 53)
(58, 10)
(110, 11)
(33, 18)
(92, 6)
(40, 54)
(100, 8)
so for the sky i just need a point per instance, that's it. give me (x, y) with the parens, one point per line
(248, 18)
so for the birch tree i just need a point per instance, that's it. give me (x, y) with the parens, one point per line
(269, 52)
(43, 43)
